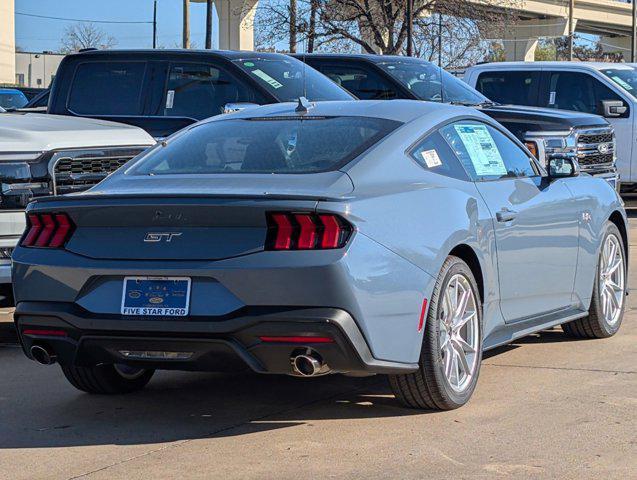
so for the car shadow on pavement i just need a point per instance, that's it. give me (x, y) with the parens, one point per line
(42, 410)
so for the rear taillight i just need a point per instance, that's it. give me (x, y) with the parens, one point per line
(47, 230)
(306, 231)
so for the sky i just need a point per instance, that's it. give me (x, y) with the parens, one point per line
(39, 34)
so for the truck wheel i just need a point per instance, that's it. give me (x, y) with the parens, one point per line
(107, 379)
(451, 353)
(609, 291)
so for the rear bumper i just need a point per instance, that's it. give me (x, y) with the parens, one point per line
(213, 343)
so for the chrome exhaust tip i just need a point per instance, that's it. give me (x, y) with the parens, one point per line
(308, 365)
(43, 355)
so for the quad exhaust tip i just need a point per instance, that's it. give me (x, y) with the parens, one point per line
(43, 355)
(308, 365)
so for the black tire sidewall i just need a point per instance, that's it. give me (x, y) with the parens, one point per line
(431, 354)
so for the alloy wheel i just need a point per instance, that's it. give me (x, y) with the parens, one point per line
(459, 333)
(611, 279)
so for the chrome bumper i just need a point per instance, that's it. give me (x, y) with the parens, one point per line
(12, 224)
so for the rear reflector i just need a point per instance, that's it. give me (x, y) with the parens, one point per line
(306, 231)
(304, 340)
(47, 230)
(44, 333)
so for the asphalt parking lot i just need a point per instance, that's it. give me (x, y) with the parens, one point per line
(545, 407)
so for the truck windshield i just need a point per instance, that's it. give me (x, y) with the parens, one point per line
(625, 77)
(290, 79)
(266, 145)
(431, 83)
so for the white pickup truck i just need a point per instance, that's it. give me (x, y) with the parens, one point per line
(51, 155)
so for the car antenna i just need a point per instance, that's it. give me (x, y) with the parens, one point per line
(303, 106)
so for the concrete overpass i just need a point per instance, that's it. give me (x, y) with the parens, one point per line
(611, 19)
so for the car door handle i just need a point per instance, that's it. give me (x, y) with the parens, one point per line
(506, 215)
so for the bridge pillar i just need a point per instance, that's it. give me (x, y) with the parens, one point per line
(521, 39)
(617, 45)
(236, 24)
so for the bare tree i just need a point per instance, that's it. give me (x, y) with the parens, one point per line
(85, 35)
(380, 26)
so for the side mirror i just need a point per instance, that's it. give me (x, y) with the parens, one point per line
(238, 106)
(563, 167)
(613, 108)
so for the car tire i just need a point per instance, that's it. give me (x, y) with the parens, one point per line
(106, 379)
(431, 387)
(600, 322)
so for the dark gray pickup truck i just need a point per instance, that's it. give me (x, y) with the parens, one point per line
(588, 138)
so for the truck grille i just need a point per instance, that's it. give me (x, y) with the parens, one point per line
(78, 170)
(596, 149)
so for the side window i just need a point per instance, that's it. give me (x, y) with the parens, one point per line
(572, 91)
(201, 91)
(486, 153)
(518, 88)
(107, 88)
(362, 82)
(435, 155)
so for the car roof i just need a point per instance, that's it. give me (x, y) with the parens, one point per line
(539, 65)
(398, 110)
(361, 56)
(226, 54)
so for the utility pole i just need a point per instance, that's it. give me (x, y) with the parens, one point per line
(186, 32)
(409, 11)
(440, 39)
(293, 26)
(155, 24)
(633, 50)
(571, 28)
(208, 24)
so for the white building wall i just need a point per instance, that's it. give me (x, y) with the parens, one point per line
(36, 69)
(7, 42)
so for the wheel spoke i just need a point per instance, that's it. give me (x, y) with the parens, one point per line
(456, 369)
(464, 346)
(462, 304)
(462, 357)
(611, 269)
(448, 362)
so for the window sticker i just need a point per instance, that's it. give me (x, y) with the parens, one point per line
(170, 99)
(621, 83)
(431, 158)
(483, 151)
(267, 78)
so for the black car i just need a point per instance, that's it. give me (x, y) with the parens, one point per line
(163, 91)
(544, 131)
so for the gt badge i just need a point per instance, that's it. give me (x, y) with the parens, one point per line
(154, 237)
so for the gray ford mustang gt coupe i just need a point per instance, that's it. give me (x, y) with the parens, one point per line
(402, 238)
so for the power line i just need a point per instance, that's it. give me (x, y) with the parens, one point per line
(79, 19)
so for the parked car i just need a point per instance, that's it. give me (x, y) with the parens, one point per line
(31, 92)
(163, 91)
(39, 101)
(12, 99)
(51, 155)
(603, 88)
(343, 237)
(546, 132)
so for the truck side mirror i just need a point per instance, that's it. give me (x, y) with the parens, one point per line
(613, 109)
(563, 167)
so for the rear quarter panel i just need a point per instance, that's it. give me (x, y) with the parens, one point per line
(597, 201)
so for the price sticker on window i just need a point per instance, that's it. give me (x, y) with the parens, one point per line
(431, 158)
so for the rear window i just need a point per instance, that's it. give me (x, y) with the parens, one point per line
(288, 79)
(266, 145)
(107, 88)
(510, 88)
